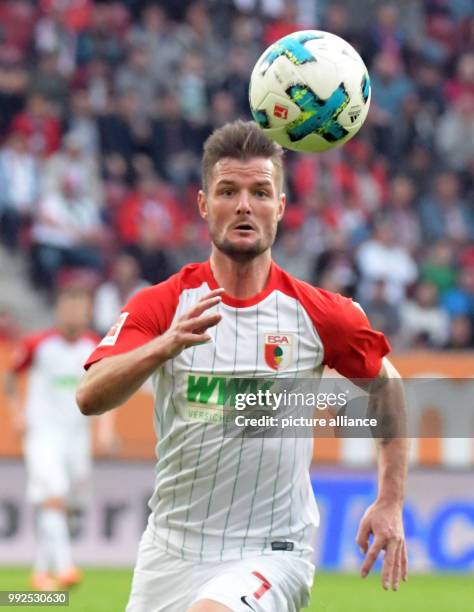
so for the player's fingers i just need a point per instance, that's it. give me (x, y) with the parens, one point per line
(404, 562)
(200, 324)
(396, 567)
(201, 306)
(388, 563)
(372, 555)
(194, 339)
(362, 538)
(213, 293)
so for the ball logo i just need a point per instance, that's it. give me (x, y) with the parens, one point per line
(278, 349)
(280, 111)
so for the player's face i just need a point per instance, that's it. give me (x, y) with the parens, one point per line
(242, 206)
(73, 314)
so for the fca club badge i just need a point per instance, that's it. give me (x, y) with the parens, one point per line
(278, 350)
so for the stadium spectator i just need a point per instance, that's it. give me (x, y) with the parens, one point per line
(386, 36)
(382, 314)
(287, 252)
(111, 295)
(236, 80)
(19, 184)
(438, 266)
(135, 75)
(424, 323)
(192, 89)
(444, 214)
(175, 142)
(282, 24)
(13, 85)
(153, 203)
(461, 334)
(336, 262)
(40, 123)
(48, 81)
(383, 258)
(56, 32)
(390, 86)
(463, 82)
(158, 34)
(362, 176)
(80, 120)
(104, 37)
(455, 133)
(121, 128)
(73, 165)
(459, 300)
(156, 262)
(68, 231)
(200, 40)
(400, 211)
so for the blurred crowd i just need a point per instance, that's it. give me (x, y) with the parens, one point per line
(104, 107)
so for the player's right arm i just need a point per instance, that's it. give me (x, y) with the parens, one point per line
(15, 406)
(111, 381)
(21, 361)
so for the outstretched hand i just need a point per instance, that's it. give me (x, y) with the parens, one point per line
(191, 328)
(384, 521)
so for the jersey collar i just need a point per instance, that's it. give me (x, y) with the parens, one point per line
(251, 301)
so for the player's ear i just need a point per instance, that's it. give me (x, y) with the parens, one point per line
(202, 204)
(281, 206)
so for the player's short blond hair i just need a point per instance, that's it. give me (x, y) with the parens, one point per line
(240, 140)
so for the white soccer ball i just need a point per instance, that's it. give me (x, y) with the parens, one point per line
(310, 91)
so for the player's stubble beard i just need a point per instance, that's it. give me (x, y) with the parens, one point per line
(238, 253)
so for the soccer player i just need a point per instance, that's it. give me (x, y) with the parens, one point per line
(233, 518)
(56, 435)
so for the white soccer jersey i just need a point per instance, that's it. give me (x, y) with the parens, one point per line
(55, 368)
(221, 498)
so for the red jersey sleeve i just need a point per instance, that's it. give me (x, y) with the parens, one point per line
(24, 354)
(350, 344)
(146, 315)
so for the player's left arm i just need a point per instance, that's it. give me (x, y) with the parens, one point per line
(357, 351)
(383, 519)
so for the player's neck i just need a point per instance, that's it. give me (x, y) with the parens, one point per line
(70, 335)
(241, 280)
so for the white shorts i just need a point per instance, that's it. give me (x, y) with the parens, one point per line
(278, 582)
(57, 466)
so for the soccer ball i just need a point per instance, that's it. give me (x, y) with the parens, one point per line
(310, 91)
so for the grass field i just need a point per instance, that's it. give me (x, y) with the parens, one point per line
(107, 591)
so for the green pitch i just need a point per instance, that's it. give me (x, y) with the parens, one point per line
(107, 591)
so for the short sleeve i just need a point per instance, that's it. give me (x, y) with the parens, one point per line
(24, 354)
(146, 315)
(351, 346)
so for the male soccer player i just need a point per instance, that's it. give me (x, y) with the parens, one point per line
(57, 440)
(233, 518)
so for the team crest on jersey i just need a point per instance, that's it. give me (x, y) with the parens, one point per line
(111, 337)
(278, 350)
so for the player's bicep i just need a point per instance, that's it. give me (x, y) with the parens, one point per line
(356, 350)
